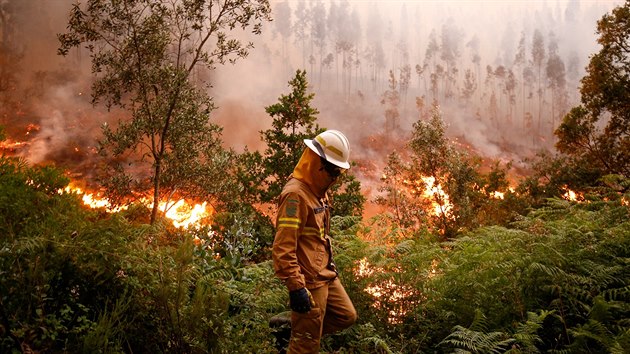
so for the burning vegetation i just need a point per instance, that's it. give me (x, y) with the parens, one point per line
(182, 213)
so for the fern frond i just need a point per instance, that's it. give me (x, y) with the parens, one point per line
(617, 294)
(380, 345)
(480, 322)
(551, 271)
(405, 247)
(593, 330)
(476, 340)
(215, 274)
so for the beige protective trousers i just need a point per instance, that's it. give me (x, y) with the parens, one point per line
(333, 311)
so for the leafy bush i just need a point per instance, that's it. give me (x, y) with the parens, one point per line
(555, 280)
(80, 280)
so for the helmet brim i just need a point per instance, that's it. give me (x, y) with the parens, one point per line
(342, 164)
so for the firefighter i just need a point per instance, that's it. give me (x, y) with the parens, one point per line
(302, 253)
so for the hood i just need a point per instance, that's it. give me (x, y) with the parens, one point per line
(309, 170)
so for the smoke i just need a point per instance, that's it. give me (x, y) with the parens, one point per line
(48, 102)
(383, 35)
(69, 127)
(490, 30)
(241, 122)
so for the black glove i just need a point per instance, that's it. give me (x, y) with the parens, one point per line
(299, 300)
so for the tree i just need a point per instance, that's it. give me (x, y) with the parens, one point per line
(469, 86)
(283, 25)
(475, 58)
(439, 187)
(596, 133)
(374, 53)
(344, 29)
(319, 33)
(294, 119)
(391, 101)
(143, 55)
(430, 63)
(510, 88)
(556, 75)
(538, 57)
(303, 20)
(449, 53)
(520, 64)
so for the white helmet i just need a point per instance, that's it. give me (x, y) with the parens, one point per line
(333, 146)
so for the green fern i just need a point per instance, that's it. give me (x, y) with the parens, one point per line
(378, 345)
(617, 294)
(476, 339)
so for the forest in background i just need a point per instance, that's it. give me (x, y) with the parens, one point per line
(504, 74)
(462, 260)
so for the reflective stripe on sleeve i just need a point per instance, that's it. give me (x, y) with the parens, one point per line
(292, 223)
(314, 231)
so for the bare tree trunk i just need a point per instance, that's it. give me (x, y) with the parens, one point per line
(156, 190)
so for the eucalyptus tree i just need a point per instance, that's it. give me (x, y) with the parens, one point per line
(430, 62)
(510, 88)
(538, 59)
(391, 101)
(319, 34)
(475, 57)
(344, 32)
(144, 56)
(374, 53)
(556, 76)
(301, 25)
(500, 74)
(521, 65)
(469, 85)
(450, 40)
(283, 26)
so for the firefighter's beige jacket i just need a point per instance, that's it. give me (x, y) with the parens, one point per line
(302, 254)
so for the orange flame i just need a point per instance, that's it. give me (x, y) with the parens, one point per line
(92, 200)
(500, 195)
(572, 196)
(11, 145)
(389, 291)
(181, 213)
(433, 191)
(497, 195)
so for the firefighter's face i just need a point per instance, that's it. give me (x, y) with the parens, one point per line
(332, 171)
